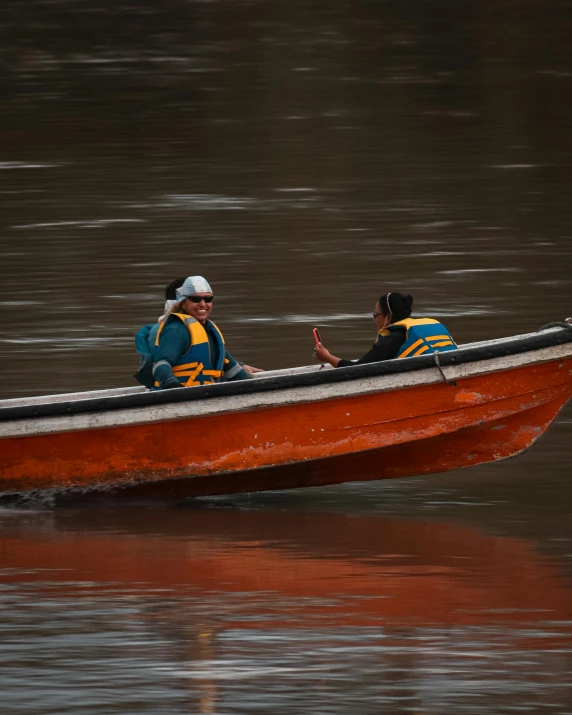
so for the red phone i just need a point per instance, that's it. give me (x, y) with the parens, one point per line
(317, 337)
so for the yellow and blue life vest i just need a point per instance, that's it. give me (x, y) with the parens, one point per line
(424, 335)
(196, 366)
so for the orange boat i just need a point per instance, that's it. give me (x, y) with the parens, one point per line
(291, 428)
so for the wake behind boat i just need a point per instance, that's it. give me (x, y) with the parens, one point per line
(298, 427)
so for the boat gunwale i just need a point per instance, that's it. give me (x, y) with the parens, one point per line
(465, 354)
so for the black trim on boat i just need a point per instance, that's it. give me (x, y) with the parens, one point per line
(245, 387)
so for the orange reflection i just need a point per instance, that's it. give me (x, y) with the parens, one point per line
(358, 570)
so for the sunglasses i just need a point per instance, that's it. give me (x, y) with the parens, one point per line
(198, 298)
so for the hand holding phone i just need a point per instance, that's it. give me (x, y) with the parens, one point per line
(320, 351)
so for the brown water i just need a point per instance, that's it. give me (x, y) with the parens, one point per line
(304, 156)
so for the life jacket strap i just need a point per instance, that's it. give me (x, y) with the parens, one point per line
(411, 348)
(183, 369)
(192, 374)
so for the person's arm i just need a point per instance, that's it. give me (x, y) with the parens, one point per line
(233, 370)
(385, 348)
(324, 355)
(174, 341)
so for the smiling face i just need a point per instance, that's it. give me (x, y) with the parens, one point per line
(199, 309)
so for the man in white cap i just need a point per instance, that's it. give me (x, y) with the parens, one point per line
(189, 348)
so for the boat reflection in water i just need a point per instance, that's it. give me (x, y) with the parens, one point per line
(217, 596)
(370, 569)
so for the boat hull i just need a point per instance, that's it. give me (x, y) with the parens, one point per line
(419, 429)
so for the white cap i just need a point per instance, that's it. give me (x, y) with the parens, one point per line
(192, 286)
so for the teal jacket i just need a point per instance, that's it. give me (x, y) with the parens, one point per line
(175, 343)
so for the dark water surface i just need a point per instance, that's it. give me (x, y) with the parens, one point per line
(304, 156)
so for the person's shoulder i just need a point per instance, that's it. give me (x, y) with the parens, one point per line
(397, 329)
(173, 326)
(175, 319)
(390, 335)
(397, 334)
